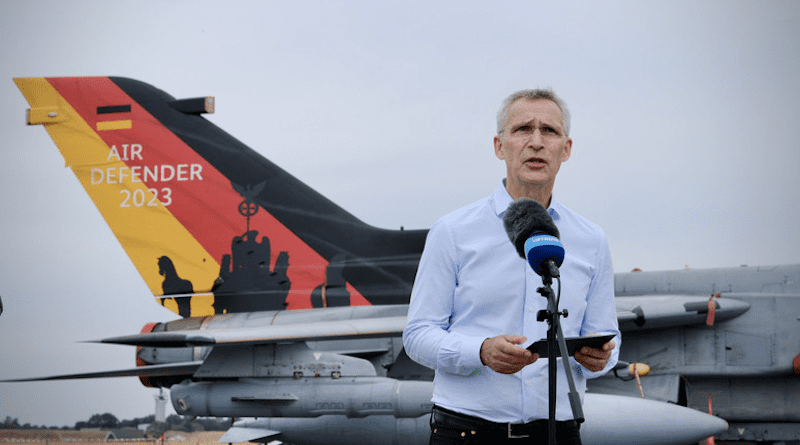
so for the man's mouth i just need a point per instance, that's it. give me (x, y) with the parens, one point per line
(535, 162)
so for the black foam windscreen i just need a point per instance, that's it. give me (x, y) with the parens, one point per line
(526, 217)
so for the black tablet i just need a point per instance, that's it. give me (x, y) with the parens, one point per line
(573, 344)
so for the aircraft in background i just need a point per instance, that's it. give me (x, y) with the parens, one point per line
(747, 368)
(293, 309)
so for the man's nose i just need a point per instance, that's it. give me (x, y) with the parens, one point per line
(535, 140)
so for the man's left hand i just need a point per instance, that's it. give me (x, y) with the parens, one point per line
(595, 359)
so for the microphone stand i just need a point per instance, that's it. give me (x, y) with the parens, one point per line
(555, 338)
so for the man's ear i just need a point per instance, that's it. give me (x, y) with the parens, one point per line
(567, 150)
(498, 148)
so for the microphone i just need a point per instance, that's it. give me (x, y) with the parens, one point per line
(535, 236)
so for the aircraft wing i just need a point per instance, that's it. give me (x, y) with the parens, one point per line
(662, 311)
(634, 313)
(323, 330)
(170, 369)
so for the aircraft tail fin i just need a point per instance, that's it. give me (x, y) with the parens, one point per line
(211, 226)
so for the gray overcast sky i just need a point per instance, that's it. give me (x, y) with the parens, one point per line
(685, 128)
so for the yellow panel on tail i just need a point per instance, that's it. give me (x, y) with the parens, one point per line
(135, 213)
(77, 141)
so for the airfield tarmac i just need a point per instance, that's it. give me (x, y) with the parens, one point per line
(91, 438)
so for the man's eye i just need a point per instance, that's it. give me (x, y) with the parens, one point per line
(524, 128)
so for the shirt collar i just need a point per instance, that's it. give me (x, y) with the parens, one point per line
(502, 199)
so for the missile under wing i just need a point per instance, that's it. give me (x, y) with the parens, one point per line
(740, 356)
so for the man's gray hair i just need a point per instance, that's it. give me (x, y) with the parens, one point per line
(502, 114)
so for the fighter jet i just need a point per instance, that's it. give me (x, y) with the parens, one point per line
(745, 366)
(293, 309)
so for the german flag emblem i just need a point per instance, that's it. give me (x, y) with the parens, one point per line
(121, 124)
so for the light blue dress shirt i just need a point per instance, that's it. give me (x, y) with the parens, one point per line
(472, 285)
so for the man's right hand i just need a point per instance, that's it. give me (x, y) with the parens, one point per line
(502, 354)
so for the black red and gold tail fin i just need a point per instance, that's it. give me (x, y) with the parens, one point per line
(212, 226)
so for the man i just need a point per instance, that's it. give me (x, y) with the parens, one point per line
(474, 304)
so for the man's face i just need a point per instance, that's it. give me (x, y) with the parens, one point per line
(533, 144)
